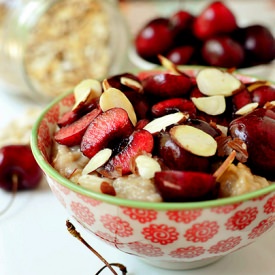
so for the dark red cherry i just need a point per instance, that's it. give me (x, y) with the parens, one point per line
(263, 94)
(154, 38)
(181, 55)
(17, 164)
(257, 130)
(222, 51)
(215, 19)
(177, 158)
(175, 186)
(258, 43)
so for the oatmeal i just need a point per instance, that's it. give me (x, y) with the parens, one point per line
(171, 147)
(238, 180)
(70, 42)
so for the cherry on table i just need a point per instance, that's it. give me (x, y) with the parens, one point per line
(18, 166)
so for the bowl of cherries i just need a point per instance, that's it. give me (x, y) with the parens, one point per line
(212, 38)
(173, 165)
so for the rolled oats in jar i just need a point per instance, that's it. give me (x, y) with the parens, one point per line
(48, 46)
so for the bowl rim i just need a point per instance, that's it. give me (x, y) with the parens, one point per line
(159, 206)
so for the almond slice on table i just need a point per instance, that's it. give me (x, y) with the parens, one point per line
(114, 98)
(213, 81)
(147, 166)
(194, 140)
(97, 160)
(161, 123)
(247, 108)
(86, 91)
(211, 105)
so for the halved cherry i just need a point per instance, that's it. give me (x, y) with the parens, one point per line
(140, 142)
(104, 129)
(180, 186)
(72, 134)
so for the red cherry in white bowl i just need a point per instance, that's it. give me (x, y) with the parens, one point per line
(213, 37)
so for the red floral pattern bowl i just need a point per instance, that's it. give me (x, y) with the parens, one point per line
(168, 235)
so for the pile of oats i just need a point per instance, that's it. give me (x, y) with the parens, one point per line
(18, 131)
(70, 42)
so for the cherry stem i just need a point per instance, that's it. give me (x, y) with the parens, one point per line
(120, 266)
(77, 235)
(14, 191)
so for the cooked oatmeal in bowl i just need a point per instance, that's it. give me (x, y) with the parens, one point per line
(161, 142)
(164, 155)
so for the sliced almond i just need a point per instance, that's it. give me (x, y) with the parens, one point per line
(97, 160)
(212, 81)
(161, 123)
(147, 166)
(106, 85)
(194, 140)
(251, 87)
(223, 129)
(131, 83)
(169, 65)
(269, 104)
(219, 172)
(112, 98)
(86, 91)
(211, 105)
(92, 182)
(247, 108)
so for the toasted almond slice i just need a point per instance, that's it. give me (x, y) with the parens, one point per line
(251, 87)
(211, 105)
(112, 98)
(161, 123)
(147, 166)
(92, 182)
(106, 85)
(97, 160)
(219, 172)
(247, 108)
(212, 81)
(86, 91)
(194, 140)
(131, 83)
(223, 129)
(269, 104)
(169, 65)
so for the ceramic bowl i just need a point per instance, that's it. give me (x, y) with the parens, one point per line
(167, 235)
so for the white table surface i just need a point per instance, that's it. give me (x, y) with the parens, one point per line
(34, 239)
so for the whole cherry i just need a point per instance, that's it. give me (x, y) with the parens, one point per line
(215, 19)
(18, 166)
(154, 38)
(258, 43)
(257, 130)
(222, 51)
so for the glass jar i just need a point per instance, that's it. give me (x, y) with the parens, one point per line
(48, 46)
